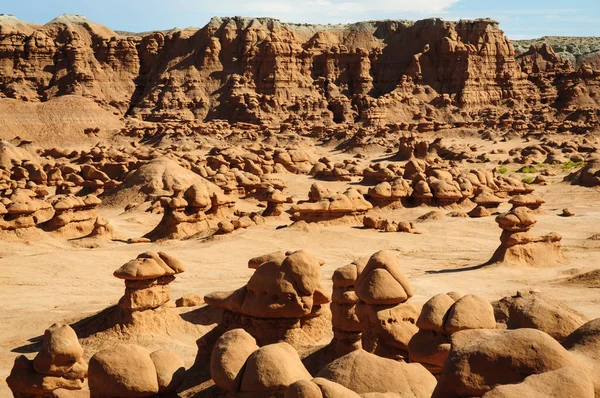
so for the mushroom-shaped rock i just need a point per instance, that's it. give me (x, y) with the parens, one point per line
(102, 229)
(149, 265)
(349, 203)
(387, 321)
(386, 193)
(422, 192)
(147, 280)
(275, 200)
(140, 269)
(445, 192)
(530, 201)
(304, 270)
(346, 326)
(400, 188)
(484, 196)
(59, 365)
(518, 246)
(431, 345)
(318, 192)
(414, 167)
(345, 276)
(185, 215)
(24, 381)
(198, 196)
(283, 287)
(520, 219)
(381, 191)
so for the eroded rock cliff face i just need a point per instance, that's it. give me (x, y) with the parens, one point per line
(431, 73)
(69, 55)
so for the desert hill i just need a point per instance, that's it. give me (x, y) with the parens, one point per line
(432, 74)
(576, 49)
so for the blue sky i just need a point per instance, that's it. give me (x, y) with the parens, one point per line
(519, 19)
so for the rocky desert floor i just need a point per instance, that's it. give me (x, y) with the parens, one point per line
(48, 278)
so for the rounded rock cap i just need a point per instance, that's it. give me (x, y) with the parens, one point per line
(382, 282)
(149, 265)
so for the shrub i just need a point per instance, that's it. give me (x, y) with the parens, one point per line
(571, 165)
(527, 169)
(528, 180)
(502, 170)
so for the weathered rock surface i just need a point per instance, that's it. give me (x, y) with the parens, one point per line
(59, 365)
(262, 70)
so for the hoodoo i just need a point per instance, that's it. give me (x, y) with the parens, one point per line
(519, 247)
(280, 301)
(147, 280)
(387, 319)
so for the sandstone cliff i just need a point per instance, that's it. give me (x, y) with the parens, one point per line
(430, 72)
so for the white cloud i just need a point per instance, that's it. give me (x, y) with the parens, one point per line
(332, 11)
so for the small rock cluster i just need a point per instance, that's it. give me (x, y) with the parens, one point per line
(59, 366)
(441, 316)
(326, 206)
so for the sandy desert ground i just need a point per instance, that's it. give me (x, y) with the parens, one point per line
(47, 279)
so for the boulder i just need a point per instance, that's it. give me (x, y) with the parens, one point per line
(563, 382)
(537, 311)
(362, 372)
(122, 370)
(482, 359)
(170, 369)
(228, 358)
(273, 368)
